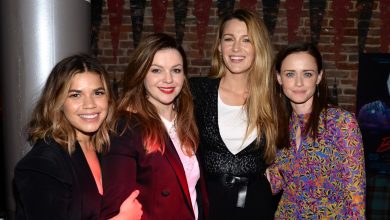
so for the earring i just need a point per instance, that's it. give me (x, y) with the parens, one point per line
(280, 91)
(175, 104)
(318, 92)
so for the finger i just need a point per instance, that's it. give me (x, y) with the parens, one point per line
(134, 195)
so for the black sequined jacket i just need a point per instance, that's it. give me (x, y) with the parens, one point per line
(237, 188)
(217, 159)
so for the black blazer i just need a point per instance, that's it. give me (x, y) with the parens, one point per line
(47, 184)
(159, 177)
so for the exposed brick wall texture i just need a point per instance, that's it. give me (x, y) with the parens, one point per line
(344, 73)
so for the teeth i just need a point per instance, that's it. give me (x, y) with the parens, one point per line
(89, 116)
(236, 57)
(167, 89)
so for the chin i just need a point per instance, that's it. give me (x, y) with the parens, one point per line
(91, 129)
(299, 102)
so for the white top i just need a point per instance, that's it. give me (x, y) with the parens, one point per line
(233, 122)
(190, 163)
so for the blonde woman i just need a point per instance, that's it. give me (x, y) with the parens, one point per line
(235, 117)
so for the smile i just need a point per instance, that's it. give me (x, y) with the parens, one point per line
(236, 58)
(89, 116)
(167, 90)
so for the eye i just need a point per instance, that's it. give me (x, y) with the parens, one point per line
(308, 74)
(290, 74)
(227, 39)
(246, 40)
(177, 70)
(100, 92)
(155, 70)
(74, 95)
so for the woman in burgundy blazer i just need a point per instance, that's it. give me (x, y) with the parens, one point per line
(156, 138)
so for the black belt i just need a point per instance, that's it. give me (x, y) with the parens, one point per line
(241, 182)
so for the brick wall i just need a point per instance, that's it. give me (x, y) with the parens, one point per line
(344, 73)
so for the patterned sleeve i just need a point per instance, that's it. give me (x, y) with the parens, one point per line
(353, 168)
(274, 177)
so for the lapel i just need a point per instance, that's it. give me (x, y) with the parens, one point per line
(210, 107)
(212, 122)
(202, 195)
(214, 103)
(174, 159)
(66, 161)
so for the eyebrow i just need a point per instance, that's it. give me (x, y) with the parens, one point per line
(177, 65)
(232, 35)
(293, 70)
(78, 91)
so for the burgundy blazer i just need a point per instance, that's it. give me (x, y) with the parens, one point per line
(159, 177)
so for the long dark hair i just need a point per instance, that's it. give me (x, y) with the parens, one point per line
(320, 98)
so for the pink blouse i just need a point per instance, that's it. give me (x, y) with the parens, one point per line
(190, 163)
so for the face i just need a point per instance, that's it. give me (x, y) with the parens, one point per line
(165, 78)
(236, 47)
(86, 104)
(299, 77)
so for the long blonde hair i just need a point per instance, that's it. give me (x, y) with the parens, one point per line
(134, 101)
(259, 104)
(48, 119)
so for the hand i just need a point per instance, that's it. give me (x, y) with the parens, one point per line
(267, 175)
(130, 209)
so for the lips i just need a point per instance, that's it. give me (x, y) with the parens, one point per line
(89, 116)
(236, 58)
(299, 91)
(167, 90)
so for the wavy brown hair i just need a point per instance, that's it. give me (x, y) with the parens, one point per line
(48, 119)
(259, 106)
(134, 101)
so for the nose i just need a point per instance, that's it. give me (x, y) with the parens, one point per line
(298, 80)
(236, 45)
(168, 78)
(89, 102)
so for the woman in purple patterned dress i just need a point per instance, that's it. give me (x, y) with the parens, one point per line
(321, 169)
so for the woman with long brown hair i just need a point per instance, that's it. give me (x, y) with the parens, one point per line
(157, 138)
(321, 167)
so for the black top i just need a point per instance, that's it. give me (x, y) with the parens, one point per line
(51, 184)
(222, 166)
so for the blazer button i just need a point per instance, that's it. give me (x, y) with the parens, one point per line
(165, 192)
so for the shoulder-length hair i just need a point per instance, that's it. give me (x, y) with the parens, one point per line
(134, 100)
(259, 104)
(320, 98)
(48, 119)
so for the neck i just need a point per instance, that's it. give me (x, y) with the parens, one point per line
(168, 113)
(301, 108)
(235, 82)
(85, 141)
